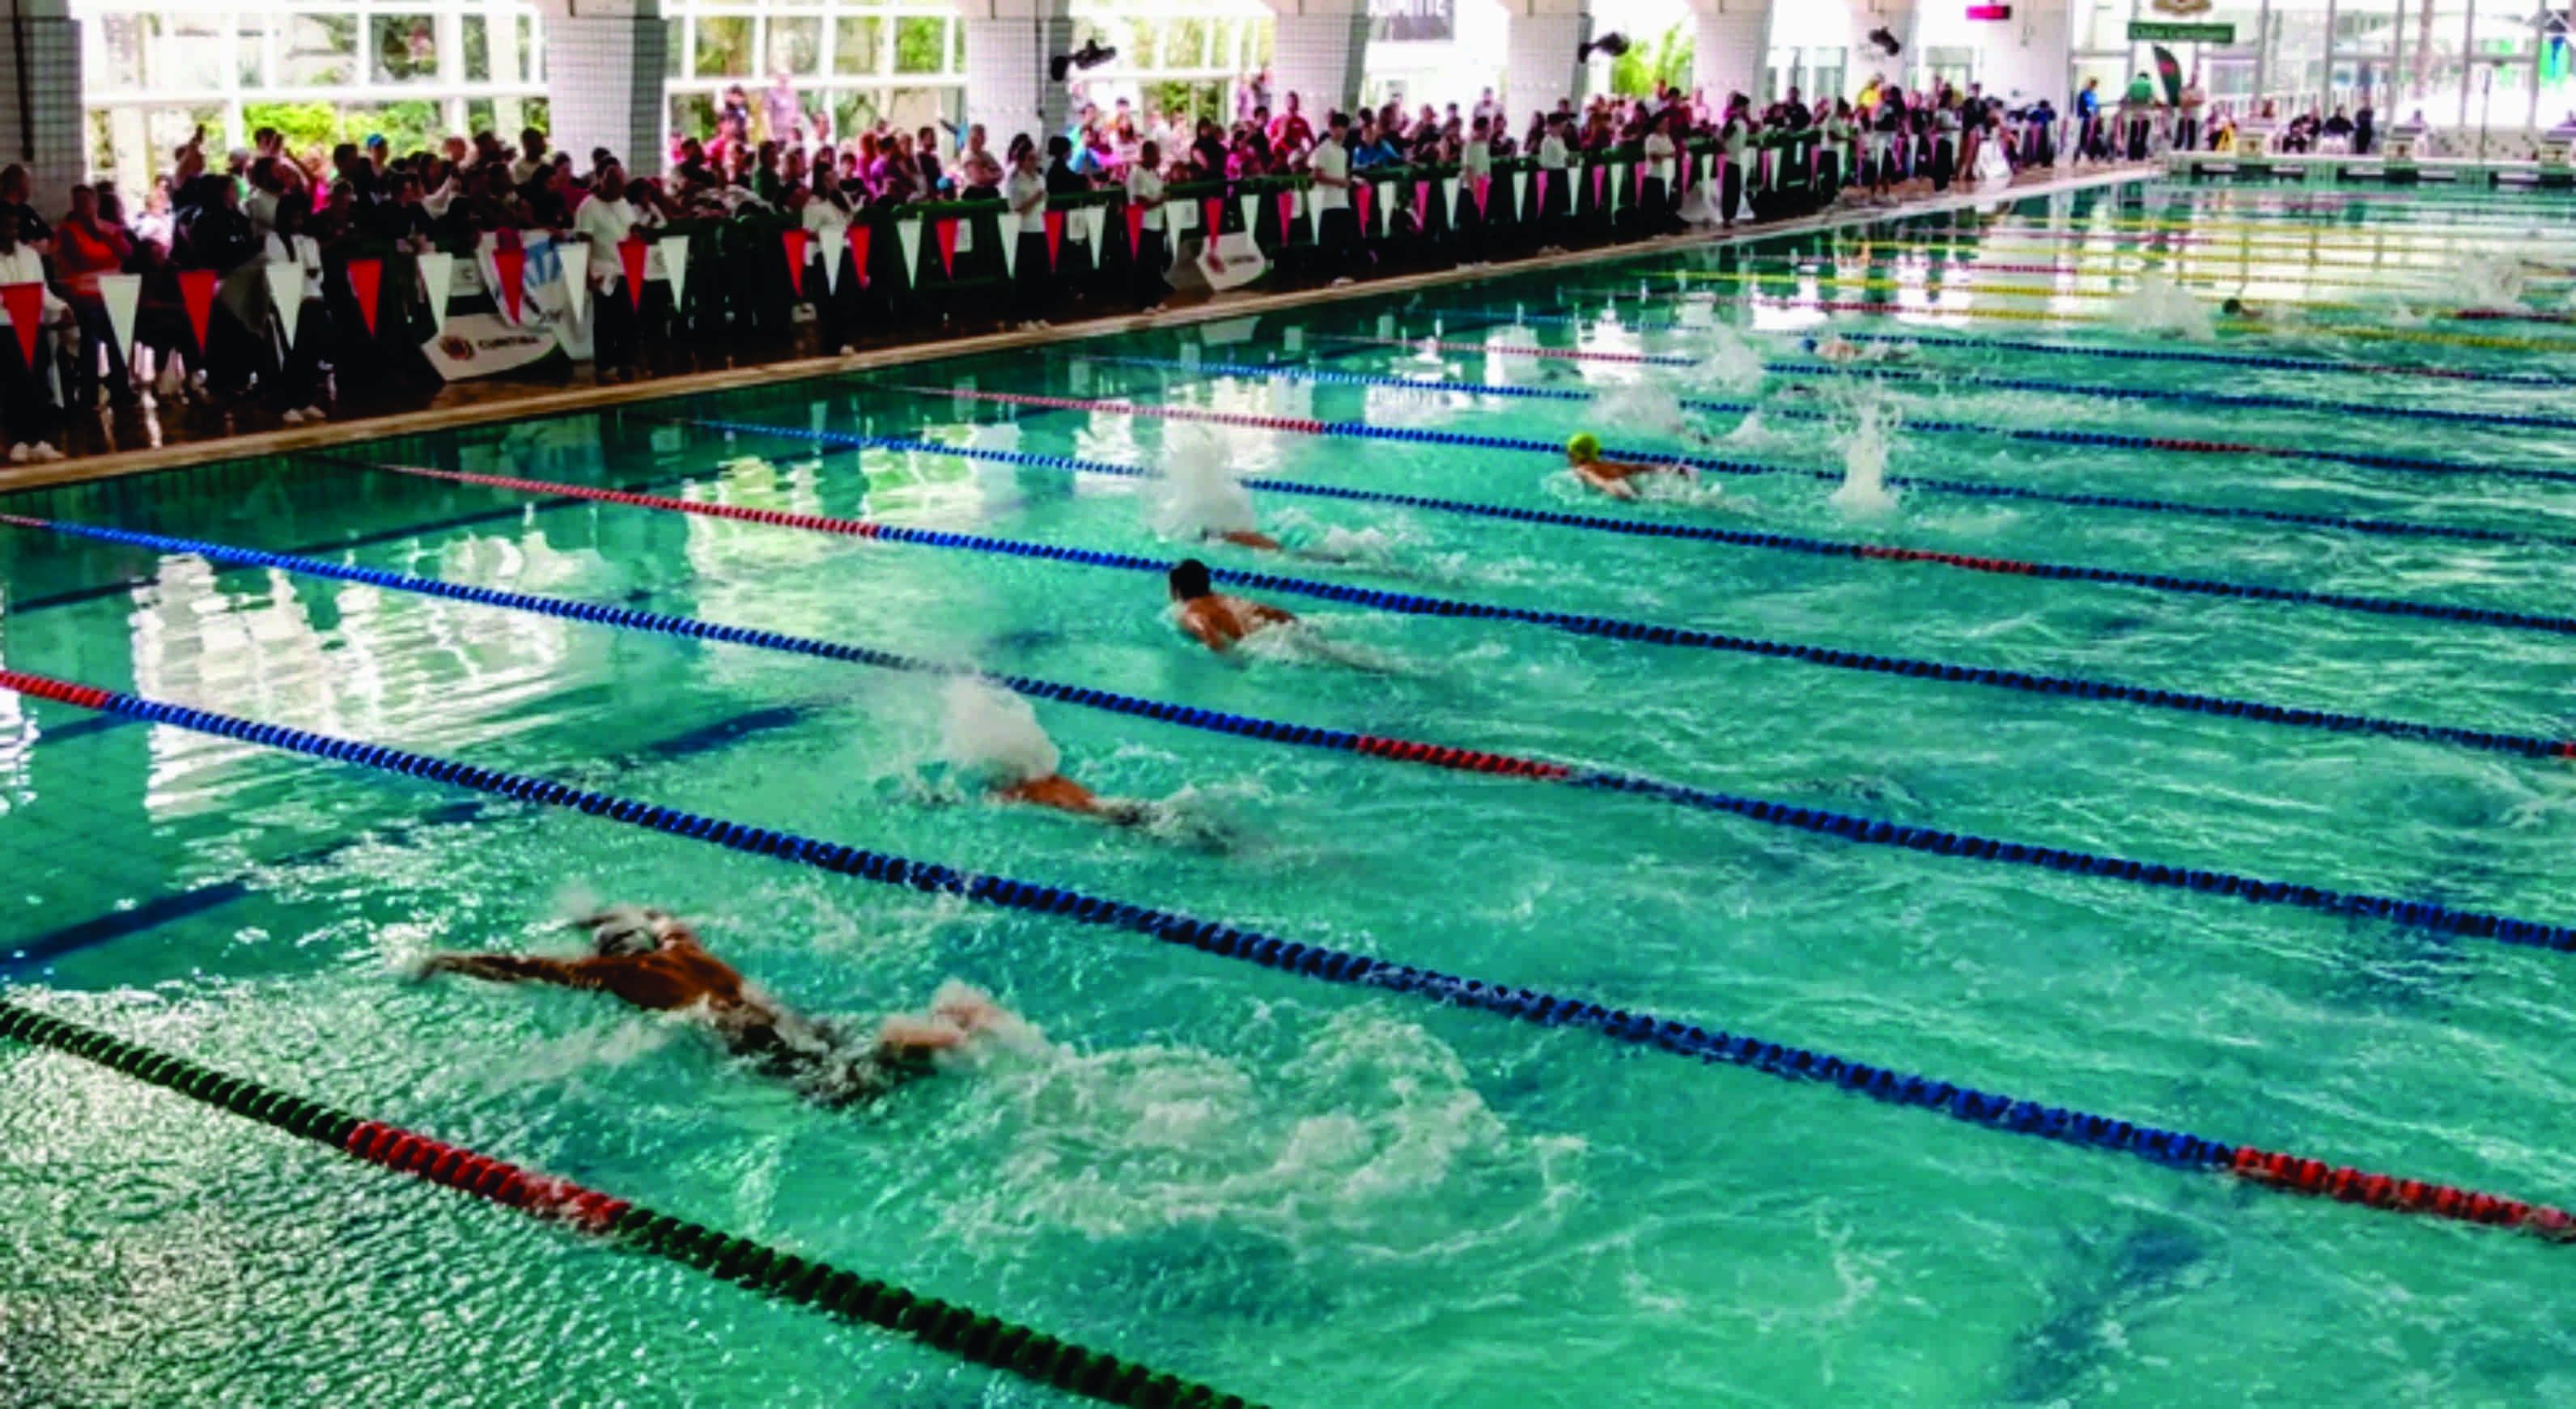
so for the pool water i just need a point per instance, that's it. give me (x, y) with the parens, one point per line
(1312, 1194)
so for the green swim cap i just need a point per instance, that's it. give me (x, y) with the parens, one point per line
(1584, 448)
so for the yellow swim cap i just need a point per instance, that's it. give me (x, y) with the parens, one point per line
(1584, 448)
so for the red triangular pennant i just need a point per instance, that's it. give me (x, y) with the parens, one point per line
(859, 251)
(1422, 205)
(793, 241)
(512, 266)
(1055, 234)
(1214, 209)
(366, 280)
(197, 295)
(1542, 191)
(946, 230)
(1640, 169)
(1484, 188)
(1287, 213)
(1363, 196)
(630, 258)
(1135, 229)
(1600, 178)
(26, 305)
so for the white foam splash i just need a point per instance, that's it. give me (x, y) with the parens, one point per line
(1198, 493)
(2159, 305)
(993, 734)
(1864, 488)
(1732, 364)
(1641, 406)
(2490, 282)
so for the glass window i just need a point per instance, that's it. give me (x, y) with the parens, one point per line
(675, 48)
(250, 53)
(796, 45)
(319, 51)
(405, 48)
(853, 113)
(920, 44)
(858, 45)
(693, 114)
(193, 52)
(477, 43)
(724, 47)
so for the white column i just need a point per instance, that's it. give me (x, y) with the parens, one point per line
(1008, 88)
(41, 123)
(1318, 50)
(1728, 50)
(1541, 58)
(2026, 56)
(604, 67)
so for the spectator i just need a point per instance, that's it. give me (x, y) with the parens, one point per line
(1026, 191)
(86, 247)
(25, 409)
(607, 220)
(1337, 229)
(295, 280)
(1290, 134)
(18, 210)
(1145, 190)
(532, 157)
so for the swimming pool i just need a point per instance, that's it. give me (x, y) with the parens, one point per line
(1315, 1193)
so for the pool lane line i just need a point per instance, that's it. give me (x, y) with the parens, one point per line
(167, 908)
(1825, 269)
(1298, 371)
(954, 1330)
(2481, 238)
(1840, 283)
(1947, 672)
(2171, 1148)
(1979, 379)
(1857, 829)
(2122, 354)
(2398, 607)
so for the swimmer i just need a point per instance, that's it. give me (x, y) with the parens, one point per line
(1216, 619)
(2239, 308)
(1583, 456)
(1842, 351)
(655, 962)
(1065, 795)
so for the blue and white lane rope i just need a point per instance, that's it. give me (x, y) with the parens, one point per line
(1882, 372)
(1402, 604)
(2172, 1148)
(1867, 831)
(1735, 538)
(2318, 365)
(1305, 372)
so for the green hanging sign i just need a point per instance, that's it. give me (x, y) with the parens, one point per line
(2153, 31)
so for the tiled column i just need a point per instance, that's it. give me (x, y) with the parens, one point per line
(51, 152)
(1008, 88)
(1540, 59)
(604, 69)
(1727, 52)
(1318, 51)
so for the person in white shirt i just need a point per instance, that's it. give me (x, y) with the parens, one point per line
(1661, 154)
(1337, 228)
(532, 158)
(26, 411)
(1024, 194)
(1145, 190)
(607, 219)
(294, 262)
(826, 218)
(1553, 160)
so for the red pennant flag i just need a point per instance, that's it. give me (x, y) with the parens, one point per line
(793, 241)
(1055, 234)
(1135, 229)
(1641, 180)
(946, 230)
(26, 305)
(1484, 188)
(1542, 192)
(859, 235)
(1600, 180)
(630, 257)
(366, 279)
(1214, 209)
(512, 266)
(1363, 197)
(1422, 206)
(197, 295)
(1287, 213)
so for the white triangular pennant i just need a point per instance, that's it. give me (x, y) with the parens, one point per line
(286, 295)
(1449, 197)
(575, 255)
(1095, 219)
(1384, 190)
(1619, 179)
(120, 292)
(1520, 195)
(675, 262)
(437, 276)
(1010, 242)
(908, 233)
(1251, 214)
(829, 246)
(966, 232)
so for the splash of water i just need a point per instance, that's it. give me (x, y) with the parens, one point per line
(2159, 305)
(1732, 364)
(1865, 448)
(2491, 281)
(992, 735)
(1642, 406)
(1198, 493)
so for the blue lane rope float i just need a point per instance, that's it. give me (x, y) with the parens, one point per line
(1769, 542)
(2121, 354)
(1610, 628)
(1881, 372)
(1304, 372)
(1858, 829)
(2171, 1148)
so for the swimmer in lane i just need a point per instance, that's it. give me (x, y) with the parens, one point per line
(1217, 619)
(1065, 795)
(1842, 351)
(1583, 456)
(654, 962)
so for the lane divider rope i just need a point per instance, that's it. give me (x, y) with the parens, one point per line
(1741, 538)
(1304, 372)
(1994, 1110)
(2392, 261)
(1862, 830)
(1900, 374)
(1861, 280)
(2074, 687)
(954, 1330)
(2197, 276)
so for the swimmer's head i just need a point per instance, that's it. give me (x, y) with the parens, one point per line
(1583, 449)
(1190, 581)
(2233, 308)
(624, 931)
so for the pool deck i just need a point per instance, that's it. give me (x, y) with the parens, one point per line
(532, 403)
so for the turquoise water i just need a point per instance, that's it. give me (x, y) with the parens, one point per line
(1307, 1194)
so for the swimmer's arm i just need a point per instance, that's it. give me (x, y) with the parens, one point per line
(1246, 538)
(509, 968)
(915, 1038)
(1263, 614)
(1197, 625)
(1609, 484)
